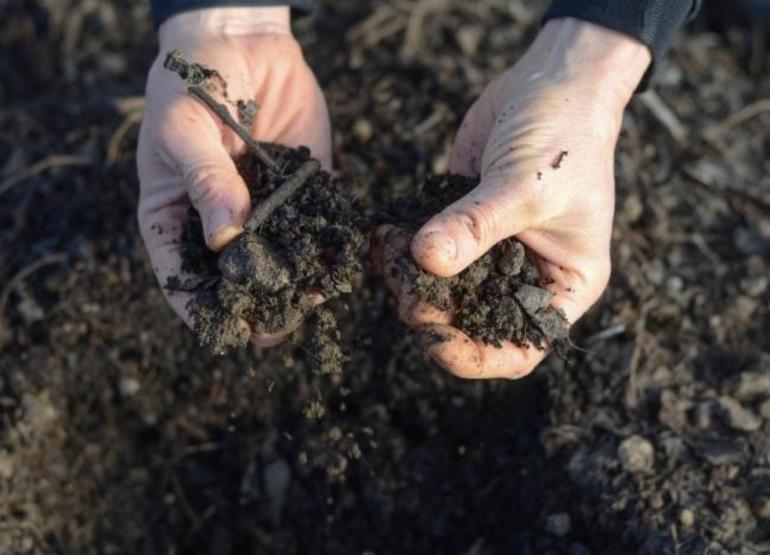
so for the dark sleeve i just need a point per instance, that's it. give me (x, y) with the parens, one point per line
(653, 22)
(163, 9)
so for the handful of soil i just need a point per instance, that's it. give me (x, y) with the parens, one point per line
(304, 240)
(500, 297)
(310, 242)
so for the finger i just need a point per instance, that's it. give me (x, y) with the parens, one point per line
(461, 233)
(191, 142)
(575, 288)
(161, 230)
(460, 355)
(266, 340)
(412, 310)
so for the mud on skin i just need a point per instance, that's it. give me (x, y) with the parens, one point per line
(311, 244)
(497, 298)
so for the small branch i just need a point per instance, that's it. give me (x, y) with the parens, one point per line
(51, 162)
(25, 272)
(665, 115)
(294, 183)
(222, 111)
(746, 113)
(196, 76)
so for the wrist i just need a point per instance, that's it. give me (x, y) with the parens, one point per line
(226, 22)
(604, 63)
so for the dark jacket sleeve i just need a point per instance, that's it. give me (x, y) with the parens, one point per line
(163, 9)
(653, 22)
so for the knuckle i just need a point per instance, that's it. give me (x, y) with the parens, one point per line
(532, 203)
(478, 219)
(203, 182)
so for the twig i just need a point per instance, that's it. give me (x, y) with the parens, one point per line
(113, 146)
(22, 274)
(196, 77)
(263, 210)
(746, 113)
(665, 115)
(222, 111)
(632, 392)
(53, 161)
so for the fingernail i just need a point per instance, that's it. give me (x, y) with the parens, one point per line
(220, 219)
(437, 243)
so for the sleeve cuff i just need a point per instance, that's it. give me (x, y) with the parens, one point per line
(163, 9)
(653, 22)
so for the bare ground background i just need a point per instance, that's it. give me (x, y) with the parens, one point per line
(119, 435)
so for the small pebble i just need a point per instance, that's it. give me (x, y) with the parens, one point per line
(739, 417)
(362, 130)
(558, 524)
(7, 465)
(752, 385)
(687, 518)
(762, 507)
(129, 386)
(636, 454)
(764, 410)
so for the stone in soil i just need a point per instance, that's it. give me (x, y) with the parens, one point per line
(637, 455)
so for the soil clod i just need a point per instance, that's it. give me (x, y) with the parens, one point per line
(498, 298)
(305, 235)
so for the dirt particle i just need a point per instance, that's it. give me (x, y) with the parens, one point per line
(556, 164)
(636, 454)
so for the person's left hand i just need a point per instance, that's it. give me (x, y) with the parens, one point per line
(542, 138)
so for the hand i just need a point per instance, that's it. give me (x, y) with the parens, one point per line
(541, 137)
(185, 153)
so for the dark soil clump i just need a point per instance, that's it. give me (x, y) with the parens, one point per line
(500, 297)
(311, 244)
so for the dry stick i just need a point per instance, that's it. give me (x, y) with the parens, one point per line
(222, 111)
(298, 179)
(25, 272)
(51, 162)
(196, 76)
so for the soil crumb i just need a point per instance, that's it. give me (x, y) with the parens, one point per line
(310, 245)
(500, 297)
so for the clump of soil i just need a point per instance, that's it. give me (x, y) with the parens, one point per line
(500, 297)
(310, 245)
(303, 240)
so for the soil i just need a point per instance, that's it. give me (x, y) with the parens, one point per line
(500, 297)
(119, 434)
(311, 243)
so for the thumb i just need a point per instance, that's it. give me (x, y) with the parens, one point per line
(465, 230)
(220, 196)
(211, 179)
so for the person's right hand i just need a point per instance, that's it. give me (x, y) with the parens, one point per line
(185, 152)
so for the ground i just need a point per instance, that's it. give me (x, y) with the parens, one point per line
(120, 435)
